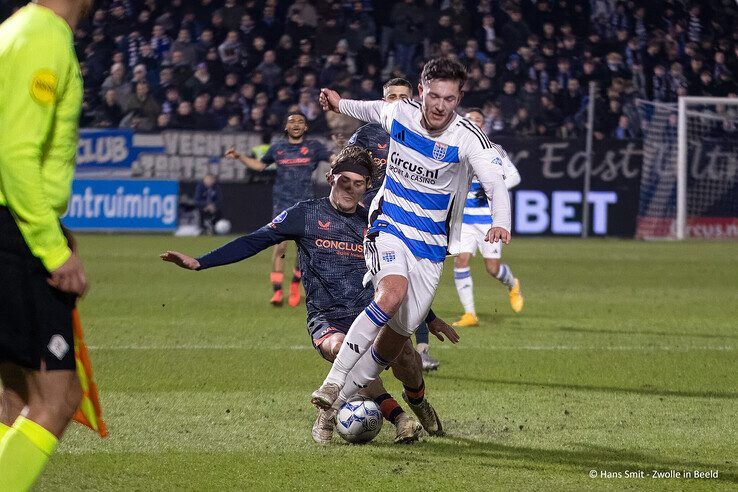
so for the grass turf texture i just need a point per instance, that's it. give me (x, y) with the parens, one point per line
(624, 358)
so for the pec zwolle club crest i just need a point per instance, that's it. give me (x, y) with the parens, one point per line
(439, 151)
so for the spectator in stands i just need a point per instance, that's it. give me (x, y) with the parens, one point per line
(201, 115)
(199, 82)
(286, 52)
(515, 32)
(271, 72)
(231, 14)
(522, 124)
(256, 121)
(616, 43)
(571, 99)
(660, 84)
(116, 82)
(368, 54)
(234, 124)
(367, 92)
(181, 70)
(406, 34)
(486, 34)
(184, 44)
(143, 104)
(508, 101)
(549, 120)
(183, 118)
(208, 199)
(109, 113)
(623, 131)
(231, 50)
(160, 42)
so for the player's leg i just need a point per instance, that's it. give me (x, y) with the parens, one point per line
(388, 269)
(294, 299)
(407, 368)
(423, 348)
(492, 253)
(277, 275)
(462, 274)
(328, 340)
(422, 283)
(465, 289)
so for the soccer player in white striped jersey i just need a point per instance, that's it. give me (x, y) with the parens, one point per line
(414, 222)
(475, 224)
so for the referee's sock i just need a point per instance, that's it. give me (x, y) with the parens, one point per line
(24, 451)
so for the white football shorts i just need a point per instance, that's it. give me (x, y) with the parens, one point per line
(472, 239)
(388, 255)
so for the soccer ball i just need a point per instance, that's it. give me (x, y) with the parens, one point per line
(223, 226)
(359, 420)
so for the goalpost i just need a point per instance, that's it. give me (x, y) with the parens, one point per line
(689, 185)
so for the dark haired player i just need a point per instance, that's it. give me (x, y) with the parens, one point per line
(296, 159)
(415, 219)
(329, 234)
(375, 138)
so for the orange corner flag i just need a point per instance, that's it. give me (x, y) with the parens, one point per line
(89, 412)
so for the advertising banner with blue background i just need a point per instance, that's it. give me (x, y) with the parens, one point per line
(112, 151)
(126, 205)
(105, 149)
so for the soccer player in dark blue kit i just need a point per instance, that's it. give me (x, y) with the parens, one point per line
(376, 140)
(329, 233)
(296, 158)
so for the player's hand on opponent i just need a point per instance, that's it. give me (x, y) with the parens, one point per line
(328, 100)
(439, 328)
(231, 153)
(70, 277)
(180, 259)
(498, 234)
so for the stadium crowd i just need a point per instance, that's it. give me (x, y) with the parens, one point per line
(235, 65)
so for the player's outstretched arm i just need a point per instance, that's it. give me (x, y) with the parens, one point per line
(180, 259)
(289, 225)
(368, 111)
(250, 162)
(329, 100)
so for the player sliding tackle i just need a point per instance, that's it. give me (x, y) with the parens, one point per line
(415, 220)
(329, 232)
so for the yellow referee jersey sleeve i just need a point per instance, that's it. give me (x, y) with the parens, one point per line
(40, 102)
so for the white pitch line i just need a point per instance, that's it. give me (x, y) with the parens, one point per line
(615, 348)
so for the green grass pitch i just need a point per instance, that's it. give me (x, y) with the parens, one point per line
(624, 358)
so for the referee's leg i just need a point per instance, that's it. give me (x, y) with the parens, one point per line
(39, 406)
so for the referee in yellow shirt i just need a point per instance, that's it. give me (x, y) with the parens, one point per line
(40, 272)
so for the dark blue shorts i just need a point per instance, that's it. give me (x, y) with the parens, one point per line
(320, 328)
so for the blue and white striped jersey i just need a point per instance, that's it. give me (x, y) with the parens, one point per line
(423, 196)
(477, 205)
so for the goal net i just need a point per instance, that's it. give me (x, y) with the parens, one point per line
(689, 183)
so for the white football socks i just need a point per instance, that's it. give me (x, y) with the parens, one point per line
(465, 288)
(366, 370)
(359, 338)
(505, 276)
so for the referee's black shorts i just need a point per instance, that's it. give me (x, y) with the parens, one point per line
(35, 318)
